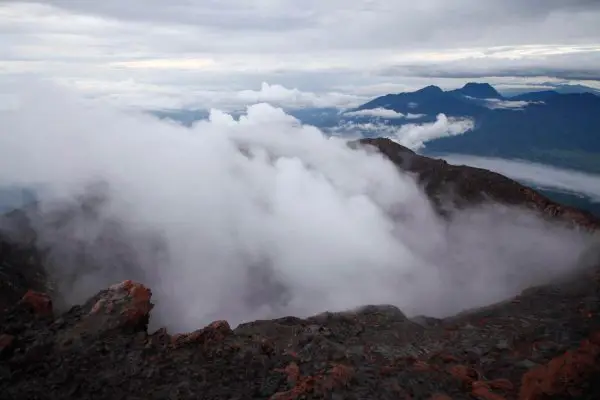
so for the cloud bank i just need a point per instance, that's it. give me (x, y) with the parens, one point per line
(381, 112)
(165, 53)
(294, 98)
(545, 176)
(495, 104)
(413, 136)
(257, 217)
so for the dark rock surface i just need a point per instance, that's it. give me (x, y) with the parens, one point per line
(543, 344)
(451, 186)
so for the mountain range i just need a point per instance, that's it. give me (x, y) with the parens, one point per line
(560, 129)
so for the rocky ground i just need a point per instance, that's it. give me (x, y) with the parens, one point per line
(543, 344)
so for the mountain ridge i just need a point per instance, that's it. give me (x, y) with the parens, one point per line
(547, 127)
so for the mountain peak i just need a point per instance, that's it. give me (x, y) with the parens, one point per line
(431, 89)
(480, 91)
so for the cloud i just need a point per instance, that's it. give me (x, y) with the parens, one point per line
(383, 22)
(132, 94)
(382, 113)
(574, 62)
(294, 98)
(495, 104)
(375, 112)
(204, 215)
(542, 175)
(413, 136)
(172, 51)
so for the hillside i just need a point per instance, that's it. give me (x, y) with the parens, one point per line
(542, 344)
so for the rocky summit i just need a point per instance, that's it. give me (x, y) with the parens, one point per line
(541, 344)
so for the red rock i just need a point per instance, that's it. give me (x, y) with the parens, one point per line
(292, 371)
(483, 392)
(304, 386)
(501, 384)
(125, 305)
(563, 375)
(138, 307)
(40, 303)
(214, 332)
(341, 374)
(466, 375)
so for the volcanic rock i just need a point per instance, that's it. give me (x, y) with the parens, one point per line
(543, 344)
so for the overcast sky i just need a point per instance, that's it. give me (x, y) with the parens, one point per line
(156, 53)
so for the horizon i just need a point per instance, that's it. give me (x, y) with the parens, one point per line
(507, 93)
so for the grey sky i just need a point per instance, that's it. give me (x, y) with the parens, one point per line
(184, 52)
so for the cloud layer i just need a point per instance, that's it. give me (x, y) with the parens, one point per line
(206, 215)
(168, 53)
(509, 104)
(413, 136)
(383, 113)
(537, 174)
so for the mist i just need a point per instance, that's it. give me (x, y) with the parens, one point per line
(542, 175)
(381, 112)
(413, 135)
(256, 218)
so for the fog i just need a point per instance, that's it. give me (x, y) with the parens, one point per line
(255, 218)
(542, 175)
(413, 135)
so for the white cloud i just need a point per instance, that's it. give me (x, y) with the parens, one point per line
(534, 173)
(495, 104)
(294, 98)
(382, 113)
(195, 212)
(577, 62)
(413, 136)
(375, 112)
(133, 94)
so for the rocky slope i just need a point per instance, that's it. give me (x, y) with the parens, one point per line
(450, 186)
(543, 344)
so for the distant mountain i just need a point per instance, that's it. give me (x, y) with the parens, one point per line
(478, 91)
(549, 126)
(566, 89)
(542, 95)
(544, 126)
(430, 101)
(549, 86)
